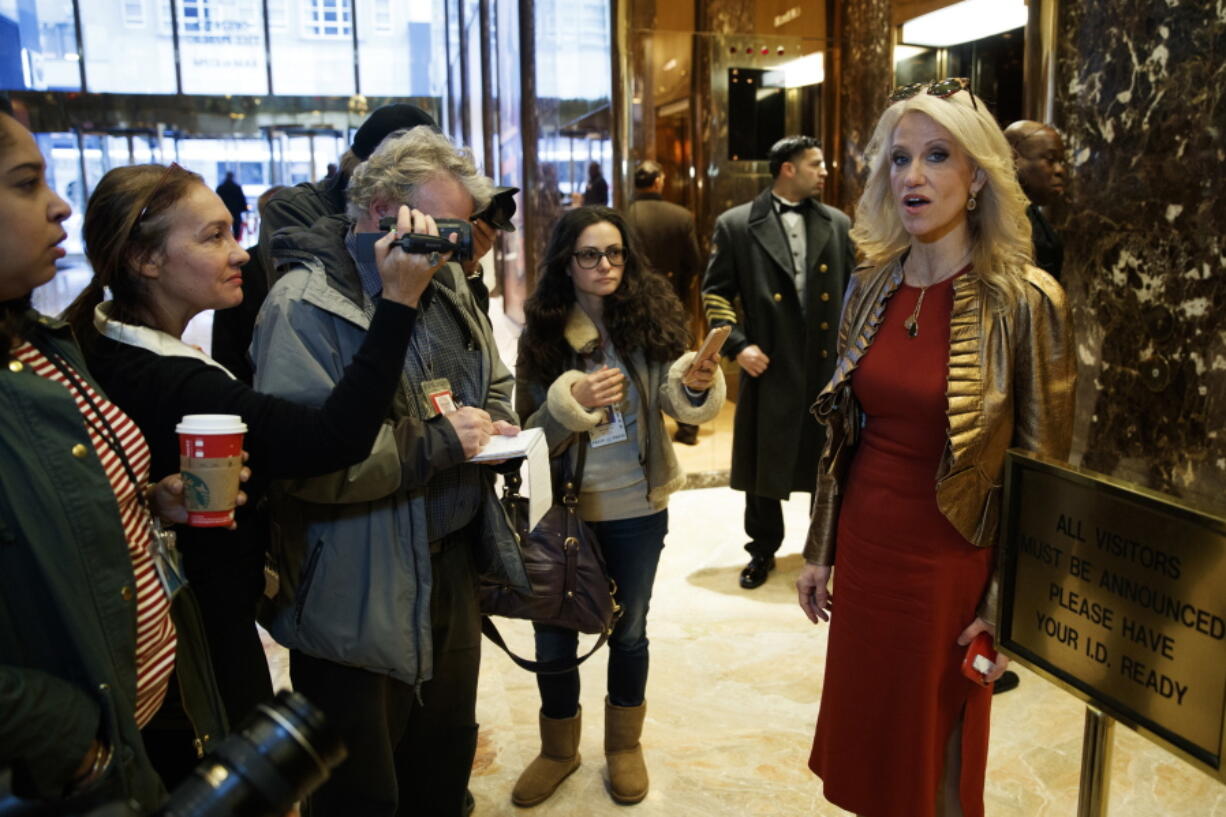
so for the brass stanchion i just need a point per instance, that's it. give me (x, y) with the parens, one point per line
(1096, 750)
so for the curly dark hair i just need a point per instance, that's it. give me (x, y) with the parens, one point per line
(643, 314)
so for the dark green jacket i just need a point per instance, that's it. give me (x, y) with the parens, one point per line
(67, 610)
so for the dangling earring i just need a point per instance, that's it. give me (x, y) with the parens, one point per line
(971, 204)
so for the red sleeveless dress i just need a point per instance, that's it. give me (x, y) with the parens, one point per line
(906, 584)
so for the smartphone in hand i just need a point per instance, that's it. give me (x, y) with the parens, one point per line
(710, 347)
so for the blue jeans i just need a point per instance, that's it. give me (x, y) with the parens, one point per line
(632, 553)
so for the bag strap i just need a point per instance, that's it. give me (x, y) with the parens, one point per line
(576, 478)
(510, 485)
(539, 667)
(571, 499)
(511, 482)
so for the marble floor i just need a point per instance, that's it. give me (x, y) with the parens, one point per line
(736, 679)
(735, 682)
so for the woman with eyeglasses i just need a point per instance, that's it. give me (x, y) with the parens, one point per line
(602, 357)
(160, 243)
(89, 637)
(953, 348)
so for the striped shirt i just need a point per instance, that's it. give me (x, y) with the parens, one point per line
(155, 632)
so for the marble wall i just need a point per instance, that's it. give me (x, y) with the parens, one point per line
(1139, 97)
(863, 75)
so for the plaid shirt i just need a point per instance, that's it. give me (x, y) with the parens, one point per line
(441, 348)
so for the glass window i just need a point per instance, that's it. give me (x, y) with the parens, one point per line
(134, 13)
(278, 15)
(123, 59)
(455, 91)
(38, 46)
(569, 36)
(573, 92)
(382, 22)
(314, 54)
(64, 176)
(327, 19)
(247, 158)
(221, 47)
(397, 51)
(475, 92)
(510, 154)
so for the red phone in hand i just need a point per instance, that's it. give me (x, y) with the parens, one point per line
(980, 658)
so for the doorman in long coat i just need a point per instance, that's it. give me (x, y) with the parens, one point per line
(787, 257)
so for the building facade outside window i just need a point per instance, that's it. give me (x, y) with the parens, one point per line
(328, 19)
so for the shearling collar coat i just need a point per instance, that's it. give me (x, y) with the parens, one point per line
(552, 407)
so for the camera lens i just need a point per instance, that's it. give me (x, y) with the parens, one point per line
(282, 753)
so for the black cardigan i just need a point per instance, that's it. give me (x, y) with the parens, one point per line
(283, 438)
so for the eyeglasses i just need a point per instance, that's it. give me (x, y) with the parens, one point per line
(153, 191)
(589, 257)
(942, 88)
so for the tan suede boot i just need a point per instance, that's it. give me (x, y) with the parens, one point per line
(623, 725)
(558, 758)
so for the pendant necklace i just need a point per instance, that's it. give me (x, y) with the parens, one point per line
(911, 324)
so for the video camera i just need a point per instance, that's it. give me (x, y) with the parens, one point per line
(281, 753)
(498, 215)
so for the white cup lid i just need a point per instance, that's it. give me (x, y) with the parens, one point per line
(211, 424)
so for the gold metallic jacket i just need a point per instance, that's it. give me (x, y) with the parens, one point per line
(1011, 382)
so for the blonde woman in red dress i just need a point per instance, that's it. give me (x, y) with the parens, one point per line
(953, 348)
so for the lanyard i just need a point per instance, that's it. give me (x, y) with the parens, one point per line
(161, 545)
(98, 422)
(426, 362)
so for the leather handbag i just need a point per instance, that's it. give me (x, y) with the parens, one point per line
(571, 587)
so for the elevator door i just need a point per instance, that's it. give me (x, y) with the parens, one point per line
(674, 152)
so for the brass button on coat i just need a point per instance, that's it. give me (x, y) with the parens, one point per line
(825, 353)
(778, 297)
(80, 451)
(15, 366)
(825, 296)
(823, 268)
(825, 325)
(126, 593)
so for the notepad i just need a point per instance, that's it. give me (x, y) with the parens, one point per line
(505, 448)
(537, 482)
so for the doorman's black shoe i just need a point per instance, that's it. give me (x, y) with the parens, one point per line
(755, 572)
(1006, 682)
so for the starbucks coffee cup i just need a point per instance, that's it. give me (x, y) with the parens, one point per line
(210, 461)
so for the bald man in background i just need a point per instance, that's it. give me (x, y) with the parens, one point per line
(1038, 152)
(1038, 155)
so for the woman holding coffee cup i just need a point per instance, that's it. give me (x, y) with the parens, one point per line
(160, 241)
(89, 637)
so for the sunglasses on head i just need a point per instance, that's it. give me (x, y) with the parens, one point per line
(943, 88)
(153, 191)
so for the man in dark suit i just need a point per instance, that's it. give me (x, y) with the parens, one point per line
(235, 200)
(666, 233)
(788, 257)
(1038, 152)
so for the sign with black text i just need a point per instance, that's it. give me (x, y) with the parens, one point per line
(1118, 594)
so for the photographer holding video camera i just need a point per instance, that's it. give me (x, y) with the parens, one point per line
(378, 562)
(306, 203)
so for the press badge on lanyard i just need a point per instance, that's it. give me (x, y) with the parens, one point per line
(437, 397)
(612, 429)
